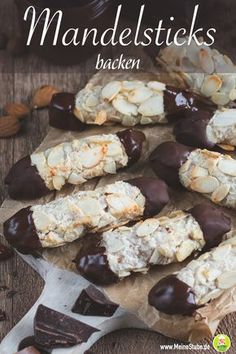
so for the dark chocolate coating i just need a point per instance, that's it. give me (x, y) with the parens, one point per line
(213, 222)
(192, 130)
(173, 297)
(133, 142)
(53, 329)
(61, 112)
(5, 253)
(155, 191)
(91, 261)
(21, 233)
(178, 101)
(167, 159)
(92, 302)
(24, 181)
(31, 342)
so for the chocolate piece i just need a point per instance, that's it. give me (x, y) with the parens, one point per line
(172, 296)
(5, 252)
(178, 101)
(155, 191)
(61, 114)
(91, 262)
(133, 141)
(29, 350)
(55, 330)
(92, 302)
(21, 233)
(192, 130)
(31, 342)
(167, 159)
(24, 181)
(213, 222)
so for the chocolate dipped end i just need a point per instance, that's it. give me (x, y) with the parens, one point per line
(91, 261)
(192, 130)
(167, 159)
(61, 112)
(173, 297)
(20, 232)
(92, 302)
(24, 181)
(155, 192)
(213, 222)
(178, 101)
(133, 142)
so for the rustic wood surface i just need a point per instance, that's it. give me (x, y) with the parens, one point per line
(20, 286)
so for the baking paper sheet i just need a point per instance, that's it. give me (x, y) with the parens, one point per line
(132, 292)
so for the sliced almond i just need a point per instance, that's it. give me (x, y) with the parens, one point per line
(185, 250)
(114, 149)
(206, 61)
(139, 95)
(226, 147)
(116, 245)
(39, 161)
(155, 257)
(210, 296)
(56, 156)
(198, 171)
(124, 107)
(110, 167)
(220, 193)
(226, 280)
(58, 182)
(111, 90)
(221, 99)
(227, 166)
(131, 85)
(75, 179)
(42, 221)
(119, 204)
(91, 158)
(147, 227)
(156, 86)
(154, 106)
(221, 252)
(92, 101)
(211, 85)
(101, 117)
(205, 184)
(143, 270)
(232, 95)
(224, 118)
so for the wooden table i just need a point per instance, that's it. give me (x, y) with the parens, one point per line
(18, 78)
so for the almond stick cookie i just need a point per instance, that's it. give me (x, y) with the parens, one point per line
(202, 280)
(209, 173)
(205, 129)
(67, 219)
(73, 162)
(117, 253)
(124, 102)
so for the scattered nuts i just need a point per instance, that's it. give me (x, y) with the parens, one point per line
(17, 110)
(42, 97)
(9, 126)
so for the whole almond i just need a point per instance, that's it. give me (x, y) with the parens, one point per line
(18, 110)
(9, 126)
(42, 96)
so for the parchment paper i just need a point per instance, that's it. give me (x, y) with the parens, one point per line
(132, 292)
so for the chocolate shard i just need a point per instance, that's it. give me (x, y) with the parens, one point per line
(92, 302)
(213, 222)
(167, 159)
(21, 233)
(133, 142)
(61, 112)
(31, 342)
(155, 191)
(29, 350)
(91, 261)
(24, 181)
(192, 130)
(53, 329)
(173, 297)
(5, 252)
